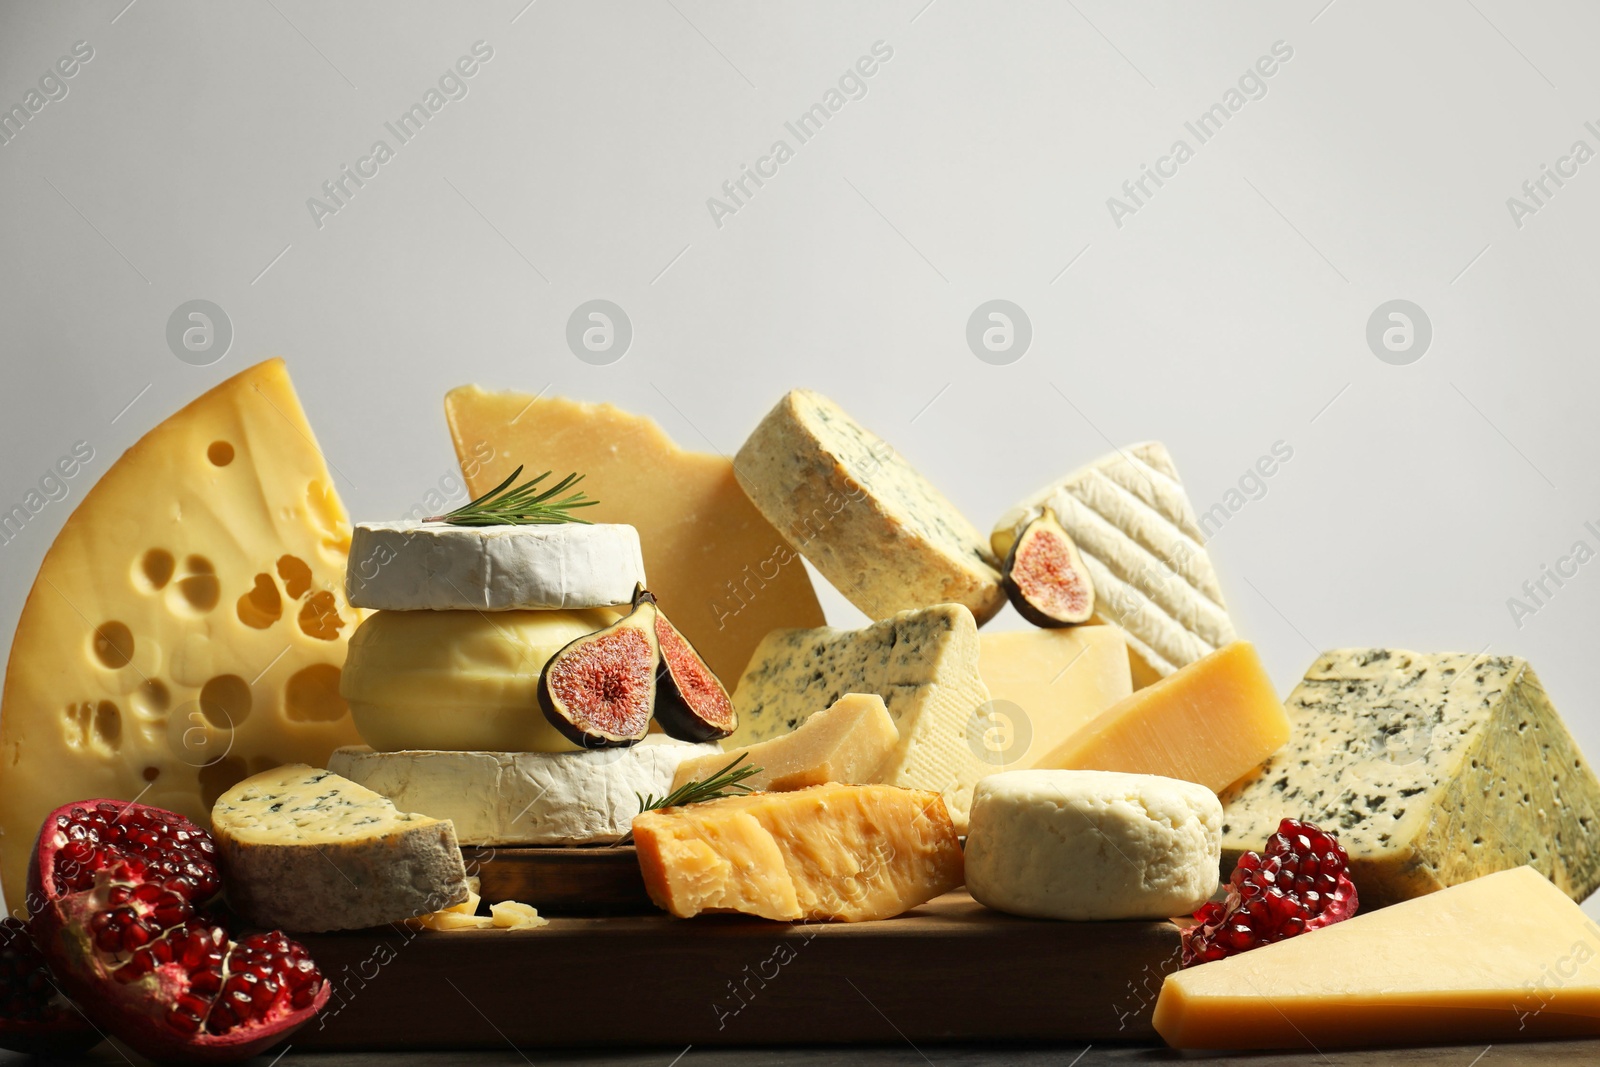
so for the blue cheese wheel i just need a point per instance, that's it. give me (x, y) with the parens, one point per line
(1432, 769)
(849, 503)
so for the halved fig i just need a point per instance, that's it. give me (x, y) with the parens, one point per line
(600, 690)
(691, 703)
(1045, 577)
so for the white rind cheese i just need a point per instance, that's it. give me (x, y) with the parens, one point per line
(1137, 533)
(406, 566)
(924, 664)
(1092, 845)
(1432, 769)
(305, 850)
(524, 798)
(848, 502)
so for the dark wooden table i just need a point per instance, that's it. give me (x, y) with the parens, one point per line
(1545, 1054)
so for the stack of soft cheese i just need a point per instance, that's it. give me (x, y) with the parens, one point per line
(442, 679)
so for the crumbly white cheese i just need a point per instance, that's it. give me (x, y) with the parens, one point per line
(1136, 529)
(524, 798)
(306, 850)
(848, 502)
(1092, 845)
(408, 565)
(1432, 769)
(924, 664)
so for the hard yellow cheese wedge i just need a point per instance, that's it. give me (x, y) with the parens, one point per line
(1045, 686)
(188, 625)
(1211, 722)
(845, 742)
(723, 575)
(1504, 957)
(846, 852)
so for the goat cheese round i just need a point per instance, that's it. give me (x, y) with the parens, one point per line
(524, 798)
(458, 680)
(405, 566)
(1091, 845)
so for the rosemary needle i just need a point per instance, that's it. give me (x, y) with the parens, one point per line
(523, 505)
(725, 783)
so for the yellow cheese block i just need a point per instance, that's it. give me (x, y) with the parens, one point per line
(847, 852)
(1505, 957)
(459, 681)
(722, 574)
(846, 742)
(188, 625)
(1210, 722)
(1046, 685)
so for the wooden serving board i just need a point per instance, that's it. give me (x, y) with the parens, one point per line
(951, 970)
(588, 881)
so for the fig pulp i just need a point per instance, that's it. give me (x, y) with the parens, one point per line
(600, 690)
(691, 703)
(1045, 577)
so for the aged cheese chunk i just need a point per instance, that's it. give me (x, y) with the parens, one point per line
(303, 849)
(1432, 769)
(401, 566)
(462, 916)
(524, 798)
(460, 680)
(514, 915)
(1045, 685)
(1091, 845)
(846, 742)
(1212, 722)
(852, 505)
(924, 664)
(720, 571)
(189, 623)
(1502, 958)
(1136, 529)
(846, 852)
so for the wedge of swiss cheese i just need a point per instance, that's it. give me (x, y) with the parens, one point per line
(846, 852)
(923, 663)
(853, 506)
(1145, 552)
(188, 626)
(719, 570)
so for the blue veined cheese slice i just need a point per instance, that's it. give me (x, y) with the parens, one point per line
(924, 664)
(1432, 769)
(306, 850)
(1136, 530)
(852, 505)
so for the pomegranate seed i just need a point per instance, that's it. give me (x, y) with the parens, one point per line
(1301, 883)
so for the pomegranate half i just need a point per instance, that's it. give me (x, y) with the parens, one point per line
(34, 1016)
(115, 890)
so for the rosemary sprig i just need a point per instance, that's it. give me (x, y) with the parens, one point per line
(725, 783)
(524, 505)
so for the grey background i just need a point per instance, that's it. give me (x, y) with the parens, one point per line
(1229, 313)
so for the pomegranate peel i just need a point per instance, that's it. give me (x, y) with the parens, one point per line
(116, 891)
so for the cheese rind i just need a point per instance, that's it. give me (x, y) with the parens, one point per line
(1505, 957)
(1432, 769)
(924, 664)
(846, 852)
(1050, 683)
(848, 502)
(719, 570)
(845, 742)
(1092, 845)
(188, 625)
(459, 680)
(303, 849)
(1145, 553)
(1212, 722)
(524, 798)
(408, 566)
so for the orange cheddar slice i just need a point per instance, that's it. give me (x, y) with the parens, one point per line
(847, 852)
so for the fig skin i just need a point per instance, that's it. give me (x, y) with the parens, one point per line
(674, 711)
(1046, 525)
(571, 722)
